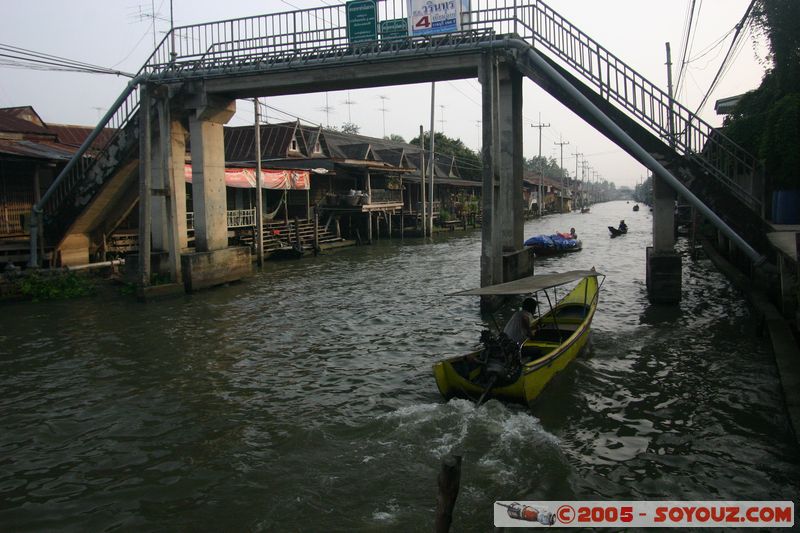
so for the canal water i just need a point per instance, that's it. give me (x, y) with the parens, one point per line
(303, 398)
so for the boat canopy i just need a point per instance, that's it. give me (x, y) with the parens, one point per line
(530, 284)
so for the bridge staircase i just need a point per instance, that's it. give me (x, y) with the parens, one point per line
(723, 175)
(97, 189)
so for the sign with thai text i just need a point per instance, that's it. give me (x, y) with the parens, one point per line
(427, 17)
(362, 21)
(394, 29)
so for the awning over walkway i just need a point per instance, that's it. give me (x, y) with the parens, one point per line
(245, 178)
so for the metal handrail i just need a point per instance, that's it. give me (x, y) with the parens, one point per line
(615, 80)
(281, 40)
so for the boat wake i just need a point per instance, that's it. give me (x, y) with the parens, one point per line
(459, 427)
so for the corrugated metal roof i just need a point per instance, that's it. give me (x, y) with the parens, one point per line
(12, 124)
(24, 112)
(71, 135)
(36, 150)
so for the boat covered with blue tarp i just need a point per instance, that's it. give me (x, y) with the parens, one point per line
(553, 244)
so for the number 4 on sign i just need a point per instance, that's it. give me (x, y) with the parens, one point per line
(423, 22)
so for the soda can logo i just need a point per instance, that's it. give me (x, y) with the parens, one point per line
(645, 514)
(528, 513)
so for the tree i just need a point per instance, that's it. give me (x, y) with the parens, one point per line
(349, 127)
(395, 138)
(468, 162)
(549, 167)
(766, 121)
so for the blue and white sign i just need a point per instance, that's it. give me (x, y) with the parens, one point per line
(427, 17)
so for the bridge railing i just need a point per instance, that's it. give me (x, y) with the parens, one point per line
(249, 40)
(688, 134)
(678, 126)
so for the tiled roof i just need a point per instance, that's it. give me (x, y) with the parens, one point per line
(275, 142)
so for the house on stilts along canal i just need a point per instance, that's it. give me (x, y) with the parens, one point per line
(321, 188)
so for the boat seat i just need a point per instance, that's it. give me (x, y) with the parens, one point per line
(549, 333)
(572, 311)
(530, 353)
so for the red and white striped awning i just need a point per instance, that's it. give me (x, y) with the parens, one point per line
(245, 178)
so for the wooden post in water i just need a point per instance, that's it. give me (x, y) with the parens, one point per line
(449, 480)
(422, 178)
(316, 230)
(259, 221)
(402, 208)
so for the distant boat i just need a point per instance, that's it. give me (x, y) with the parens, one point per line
(616, 232)
(584, 210)
(636, 207)
(553, 244)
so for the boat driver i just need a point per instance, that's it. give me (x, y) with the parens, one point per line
(519, 325)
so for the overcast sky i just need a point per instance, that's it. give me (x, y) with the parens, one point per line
(119, 34)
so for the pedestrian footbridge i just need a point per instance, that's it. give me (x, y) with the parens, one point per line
(189, 84)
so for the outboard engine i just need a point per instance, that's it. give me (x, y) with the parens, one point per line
(499, 358)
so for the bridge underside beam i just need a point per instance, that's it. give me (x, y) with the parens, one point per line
(336, 77)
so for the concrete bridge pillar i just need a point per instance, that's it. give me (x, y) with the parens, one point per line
(209, 200)
(511, 202)
(502, 255)
(663, 270)
(167, 167)
(213, 262)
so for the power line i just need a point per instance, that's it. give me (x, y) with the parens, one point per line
(685, 47)
(724, 66)
(18, 57)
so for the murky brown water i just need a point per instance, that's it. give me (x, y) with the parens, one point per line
(303, 400)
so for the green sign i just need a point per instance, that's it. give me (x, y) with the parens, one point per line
(362, 21)
(394, 28)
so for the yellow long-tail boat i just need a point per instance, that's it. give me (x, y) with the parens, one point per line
(503, 369)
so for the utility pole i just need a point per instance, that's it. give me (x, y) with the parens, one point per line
(561, 145)
(382, 109)
(586, 180)
(441, 120)
(348, 103)
(541, 164)
(671, 118)
(327, 109)
(432, 158)
(172, 54)
(259, 207)
(577, 181)
(422, 178)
